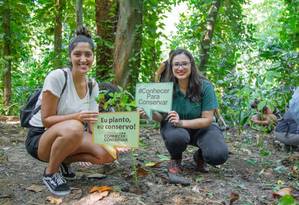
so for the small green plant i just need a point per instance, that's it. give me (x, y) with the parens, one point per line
(118, 101)
(134, 167)
(287, 200)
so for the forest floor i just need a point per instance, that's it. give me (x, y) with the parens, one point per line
(255, 170)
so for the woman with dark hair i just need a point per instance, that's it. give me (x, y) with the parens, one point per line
(190, 121)
(60, 131)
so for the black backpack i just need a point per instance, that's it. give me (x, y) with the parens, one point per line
(29, 109)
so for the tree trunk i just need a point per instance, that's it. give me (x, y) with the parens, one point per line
(106, 16)
(206, 40)
(128, 27)
(79, 12)
(7, 54)
(58, 34)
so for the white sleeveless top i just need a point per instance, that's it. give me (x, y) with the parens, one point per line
(69, 102)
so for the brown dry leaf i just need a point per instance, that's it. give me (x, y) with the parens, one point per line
(54, 200)
(233, 197)
(100, 189)
(141, 172)
(282, 192)
(35, 188)
(153, 164)
(295, 171)
(92, 198)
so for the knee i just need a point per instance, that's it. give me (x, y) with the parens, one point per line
(73, 131)
(216, 157)
(104, 158)
(175, 139)
(73, 128)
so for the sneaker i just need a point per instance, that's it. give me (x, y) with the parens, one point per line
(201, 165)
(174, 173)
(56, 184)
(67, 171)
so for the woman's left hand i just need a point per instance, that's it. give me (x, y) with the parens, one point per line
(174, 118)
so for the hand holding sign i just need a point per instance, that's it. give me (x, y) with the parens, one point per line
(154, 97)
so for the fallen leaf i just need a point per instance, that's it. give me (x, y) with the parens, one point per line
(233, 197)
(97, 176)
(100, 189)
(35, 188)
(92, 198)
(141, 172)
(295, 171)
(282, 192)
(153, 164)
(76, 193)
(280, 182)
(53, 200)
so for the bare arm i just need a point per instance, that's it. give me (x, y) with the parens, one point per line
(267, 119)
(159, 72)
(49, 112)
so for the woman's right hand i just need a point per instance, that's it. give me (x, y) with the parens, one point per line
(142, 113)
(87, 116)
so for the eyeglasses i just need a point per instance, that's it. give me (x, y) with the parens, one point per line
(183, 64)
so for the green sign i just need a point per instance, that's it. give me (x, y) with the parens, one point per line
(154, 97)
(119, 129)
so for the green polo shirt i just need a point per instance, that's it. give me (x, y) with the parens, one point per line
(191, 110)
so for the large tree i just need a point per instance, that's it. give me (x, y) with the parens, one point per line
(126, 42)
(106, 18)
(6, 24)
(79, 12)
(58, 33)
(207, 36)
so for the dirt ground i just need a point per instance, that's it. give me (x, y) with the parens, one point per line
(255, 169)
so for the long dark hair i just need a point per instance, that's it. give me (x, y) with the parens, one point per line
(195, 79)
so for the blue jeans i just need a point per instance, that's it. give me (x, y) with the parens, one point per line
(210, 142)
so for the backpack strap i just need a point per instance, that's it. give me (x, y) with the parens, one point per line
(90, 85)
(64, 86)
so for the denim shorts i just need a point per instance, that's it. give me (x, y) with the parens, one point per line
(31, 143)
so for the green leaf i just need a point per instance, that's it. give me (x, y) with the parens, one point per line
(163, 157)
(252, 162)
(287, 200)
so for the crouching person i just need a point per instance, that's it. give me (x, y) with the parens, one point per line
(60, 132)
(287, 129)
(190, 121)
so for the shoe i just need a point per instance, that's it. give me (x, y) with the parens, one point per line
(66, 171)
(201, 165)
(174, 173)
(56, 184)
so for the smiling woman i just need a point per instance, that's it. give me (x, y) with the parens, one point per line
(60, 132)
(190, 121)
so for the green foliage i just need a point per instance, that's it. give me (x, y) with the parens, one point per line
(287, 200)
(152, 31)
(289, 20)
(254, 50)
(120, 101)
